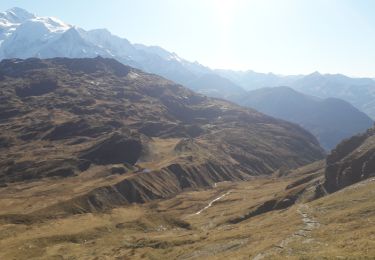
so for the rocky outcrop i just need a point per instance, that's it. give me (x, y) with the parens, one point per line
(351, 161)
(117, 148)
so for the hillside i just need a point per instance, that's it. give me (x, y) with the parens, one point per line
(330, 120)
(83, 139)
(142, 136)
(232, 220)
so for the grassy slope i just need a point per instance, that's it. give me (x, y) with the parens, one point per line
(169, 229)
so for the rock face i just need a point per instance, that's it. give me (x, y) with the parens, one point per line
(351, 161)
(94, 115)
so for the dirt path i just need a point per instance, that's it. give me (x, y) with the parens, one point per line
(303, 234)
(209, 204)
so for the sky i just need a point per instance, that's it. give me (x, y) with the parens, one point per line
(280, 36)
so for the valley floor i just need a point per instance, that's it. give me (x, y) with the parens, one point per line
(199, 225)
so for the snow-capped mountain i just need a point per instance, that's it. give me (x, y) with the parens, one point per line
(14, 16)
(25, 35)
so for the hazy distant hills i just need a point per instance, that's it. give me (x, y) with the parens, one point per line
(360, 92)
(214, 85)
(250, 80)
(330, 120)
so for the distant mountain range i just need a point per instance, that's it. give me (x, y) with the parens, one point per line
(24, 35)
(330, 120)
(360, 92)
(250, 80)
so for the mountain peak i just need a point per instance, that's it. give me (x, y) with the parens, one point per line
(16, 15)
(316, 73)
(19, 11)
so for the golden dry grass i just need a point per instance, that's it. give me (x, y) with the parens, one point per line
(169, 229)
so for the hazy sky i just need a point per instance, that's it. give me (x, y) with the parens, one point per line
(282, 36)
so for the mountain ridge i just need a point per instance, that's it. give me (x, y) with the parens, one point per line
(357, 91)
(331, 120)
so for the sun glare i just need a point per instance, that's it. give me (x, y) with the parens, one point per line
(225, 11)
